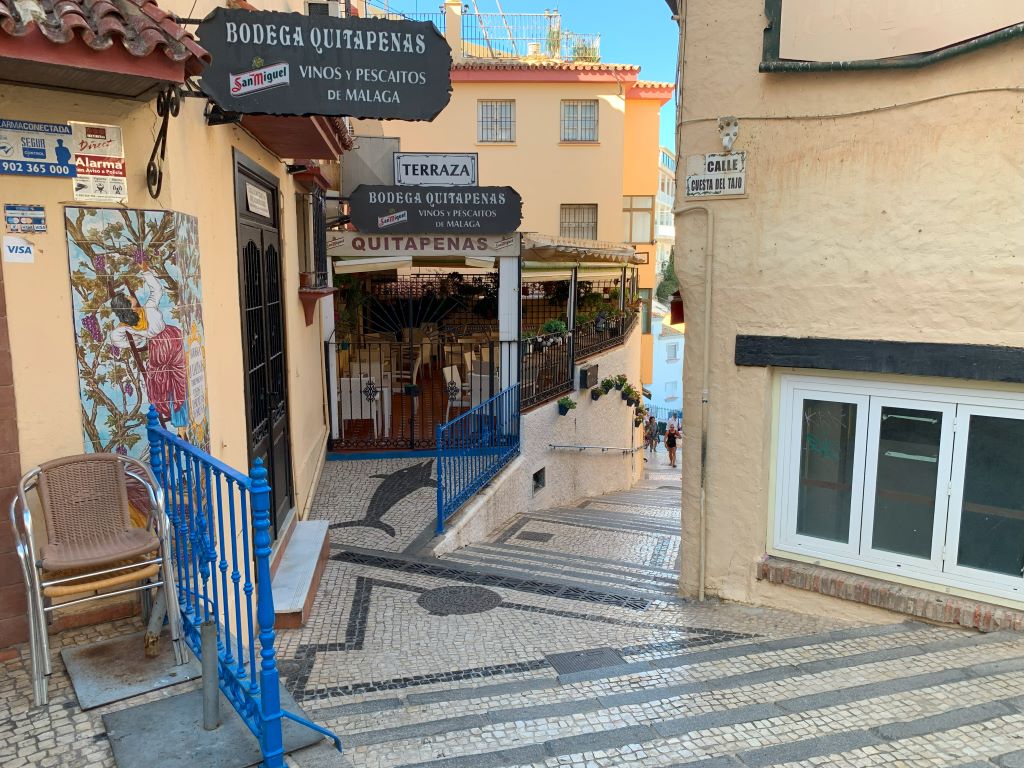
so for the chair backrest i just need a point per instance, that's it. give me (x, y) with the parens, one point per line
(354, 404)
(451, 374)
(480, 388)
(84, 497)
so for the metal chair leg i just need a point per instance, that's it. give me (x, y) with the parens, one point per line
(170, 589)
(35, 652)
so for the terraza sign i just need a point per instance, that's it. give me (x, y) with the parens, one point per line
(273, 63)
(453, 210)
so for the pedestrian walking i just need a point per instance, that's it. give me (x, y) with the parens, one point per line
(651, 434)
(671, 438)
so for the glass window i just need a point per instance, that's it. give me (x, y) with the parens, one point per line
(915, 479)
(909, 443)
(579, 221)
(672, 352)
(991, 530)
(579, 120)
(828, 442)
(638, 218)
(496, 121)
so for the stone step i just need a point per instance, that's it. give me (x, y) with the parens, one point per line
(299, 571)
(573, 562)
(790, 701)
(528, 570)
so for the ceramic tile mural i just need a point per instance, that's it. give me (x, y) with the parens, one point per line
(137, 300)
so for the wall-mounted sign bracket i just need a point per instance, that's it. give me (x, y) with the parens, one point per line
(168, 104)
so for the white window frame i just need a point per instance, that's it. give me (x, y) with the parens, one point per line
(956, 499)
(944, 465)
(960, 403)
(672, 352)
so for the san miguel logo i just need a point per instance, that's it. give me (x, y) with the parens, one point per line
(392, 219)
(259, 79)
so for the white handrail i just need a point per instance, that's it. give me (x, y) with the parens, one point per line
(602, 448)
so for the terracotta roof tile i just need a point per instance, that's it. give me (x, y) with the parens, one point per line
(562, 66)
(652, 84)
(141, 26)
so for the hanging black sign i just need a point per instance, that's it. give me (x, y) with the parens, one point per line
(441, 210)
(272, 63)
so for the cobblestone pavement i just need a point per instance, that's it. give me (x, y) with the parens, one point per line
(560, 643)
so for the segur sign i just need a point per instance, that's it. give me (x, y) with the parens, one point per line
(274, 63)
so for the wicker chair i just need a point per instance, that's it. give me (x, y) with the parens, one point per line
(90, 545)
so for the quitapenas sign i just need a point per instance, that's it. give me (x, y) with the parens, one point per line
(451, 210)
(273, 63)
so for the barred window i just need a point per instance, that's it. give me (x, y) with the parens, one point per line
(579, 120)
(578, 221)
(496, 120)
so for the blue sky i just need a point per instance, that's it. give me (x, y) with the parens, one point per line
(632, 32)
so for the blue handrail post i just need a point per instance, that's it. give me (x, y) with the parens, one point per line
(156, 444)
(438, 432)
(270, 694)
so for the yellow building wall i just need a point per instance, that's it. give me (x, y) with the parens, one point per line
(863, 220)
(545, 172)
(198, 180)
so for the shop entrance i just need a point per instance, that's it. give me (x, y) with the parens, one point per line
(263, 344)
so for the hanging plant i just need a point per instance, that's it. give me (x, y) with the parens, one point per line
(595, 393)
(607, 384)
(565, 404)
(620, 381)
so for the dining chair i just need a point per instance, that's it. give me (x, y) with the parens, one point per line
(90, 545)
(355, 406)
(455, 389)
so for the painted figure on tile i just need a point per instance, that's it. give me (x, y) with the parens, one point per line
(144, 327)
(137, 303)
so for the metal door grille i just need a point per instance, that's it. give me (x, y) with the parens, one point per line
(259, 417)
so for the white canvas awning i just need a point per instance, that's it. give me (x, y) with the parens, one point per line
(561, 250)
(379, 264)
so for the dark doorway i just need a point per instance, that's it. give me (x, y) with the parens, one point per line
(263, 344)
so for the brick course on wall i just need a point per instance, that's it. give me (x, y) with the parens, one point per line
(912, 601)
(13, 622)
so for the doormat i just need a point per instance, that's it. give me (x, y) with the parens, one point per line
(583, 661)
(169, 734)
(116, 669)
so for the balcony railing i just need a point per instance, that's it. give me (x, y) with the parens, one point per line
(526, 35)
(602, 333)
(382, 9)
(546, 368)
(472, 449)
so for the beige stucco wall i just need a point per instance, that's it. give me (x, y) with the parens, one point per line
(902, 223)
(198, 180)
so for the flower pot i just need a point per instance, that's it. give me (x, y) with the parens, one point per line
(595, 394)
(344, 345)
(631, 403)
(625, 396)
(563, 410)
(619, 386)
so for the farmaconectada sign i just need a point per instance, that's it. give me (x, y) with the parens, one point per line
(268, 62)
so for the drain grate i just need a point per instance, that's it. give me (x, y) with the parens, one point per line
(535, 536)
(582, 661)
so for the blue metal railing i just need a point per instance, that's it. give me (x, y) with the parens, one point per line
(472, 448)
(211, 507)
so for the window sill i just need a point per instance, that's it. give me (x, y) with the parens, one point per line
(579, 143)
(496, 144)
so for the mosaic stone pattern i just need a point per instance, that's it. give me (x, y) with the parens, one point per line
(456, 663)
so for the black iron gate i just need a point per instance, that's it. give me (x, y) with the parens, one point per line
(413, 352)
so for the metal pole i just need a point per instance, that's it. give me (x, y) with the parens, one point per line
(211, 689)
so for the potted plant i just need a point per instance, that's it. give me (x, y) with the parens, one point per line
(630, 395)
(565, 404)
(607, 384)
(595, 393)
(555, 330)
(620, 381)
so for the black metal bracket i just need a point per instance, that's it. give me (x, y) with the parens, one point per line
(168, 104)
